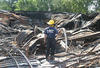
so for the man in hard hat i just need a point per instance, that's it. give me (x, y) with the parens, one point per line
(49, 38)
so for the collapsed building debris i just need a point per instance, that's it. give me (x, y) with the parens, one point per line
(78, 41)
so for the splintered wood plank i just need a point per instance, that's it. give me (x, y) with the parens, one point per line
(84, 36)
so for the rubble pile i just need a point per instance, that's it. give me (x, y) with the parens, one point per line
(77, 42)
(84, 35)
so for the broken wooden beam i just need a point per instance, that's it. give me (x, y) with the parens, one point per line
(83, 36)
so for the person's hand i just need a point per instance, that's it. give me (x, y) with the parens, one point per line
(45, 36)
(44, 42)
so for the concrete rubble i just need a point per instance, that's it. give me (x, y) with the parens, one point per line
(21, 41)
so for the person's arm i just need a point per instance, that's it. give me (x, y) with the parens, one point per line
(56, 33)
(45, 36)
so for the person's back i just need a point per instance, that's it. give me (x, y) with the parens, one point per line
(50, 34)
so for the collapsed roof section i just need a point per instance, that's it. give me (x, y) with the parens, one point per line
(77, 21)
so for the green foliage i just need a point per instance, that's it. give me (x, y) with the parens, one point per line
(79, 6)
(26, 5)
(4, 5)
(7, 4)
(97, 5)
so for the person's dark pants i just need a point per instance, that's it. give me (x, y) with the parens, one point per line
(51, 44)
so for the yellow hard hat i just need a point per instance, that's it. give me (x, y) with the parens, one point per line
(51, 22)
